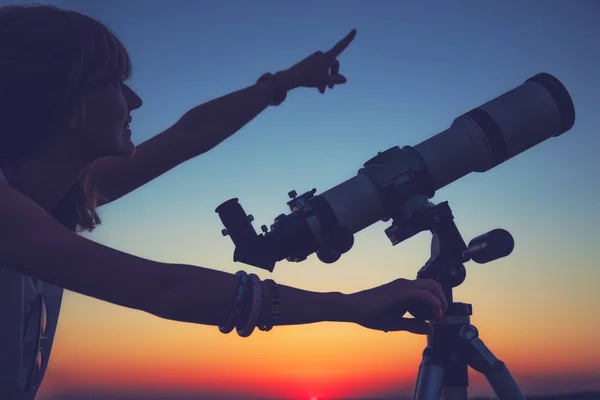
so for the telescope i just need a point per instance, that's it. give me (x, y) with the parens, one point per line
(397, 185)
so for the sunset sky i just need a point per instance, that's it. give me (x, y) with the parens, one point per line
(412, 69)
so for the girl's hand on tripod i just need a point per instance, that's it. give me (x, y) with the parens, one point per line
(383, 307)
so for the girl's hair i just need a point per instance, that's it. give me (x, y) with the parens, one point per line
(49, 57)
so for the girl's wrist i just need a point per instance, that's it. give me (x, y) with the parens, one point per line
(295, 306)
(287, 80)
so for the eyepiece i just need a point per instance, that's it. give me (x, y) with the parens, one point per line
(236, 222)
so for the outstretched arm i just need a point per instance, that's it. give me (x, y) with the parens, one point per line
(35, 244)
(205, 126)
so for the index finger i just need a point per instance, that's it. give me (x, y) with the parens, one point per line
(342, 44)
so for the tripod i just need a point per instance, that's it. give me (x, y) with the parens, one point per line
(454, 346)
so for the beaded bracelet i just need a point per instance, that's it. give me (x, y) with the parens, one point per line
(254, 308)
(239, 303)
(281, 92)
(274, 316)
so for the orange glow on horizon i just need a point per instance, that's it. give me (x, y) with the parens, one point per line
(536, 332)
(327, 360)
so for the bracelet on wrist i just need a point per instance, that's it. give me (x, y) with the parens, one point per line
(254, 308)
(274, 315)
(281, 93)
(240, 295)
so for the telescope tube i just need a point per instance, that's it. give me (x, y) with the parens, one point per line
(398, 181)
(477, 141)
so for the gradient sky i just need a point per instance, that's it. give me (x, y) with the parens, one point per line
(412, 69)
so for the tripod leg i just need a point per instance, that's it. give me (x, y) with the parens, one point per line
(430, 378)
(496, 372)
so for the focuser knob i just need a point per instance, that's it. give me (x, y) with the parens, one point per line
(327, 255)
(340, 240)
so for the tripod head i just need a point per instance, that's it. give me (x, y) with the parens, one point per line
(448, 249)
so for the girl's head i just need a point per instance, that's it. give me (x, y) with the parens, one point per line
(61, 77)
(61, 89)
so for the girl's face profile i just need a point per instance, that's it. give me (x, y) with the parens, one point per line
(105, 130)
